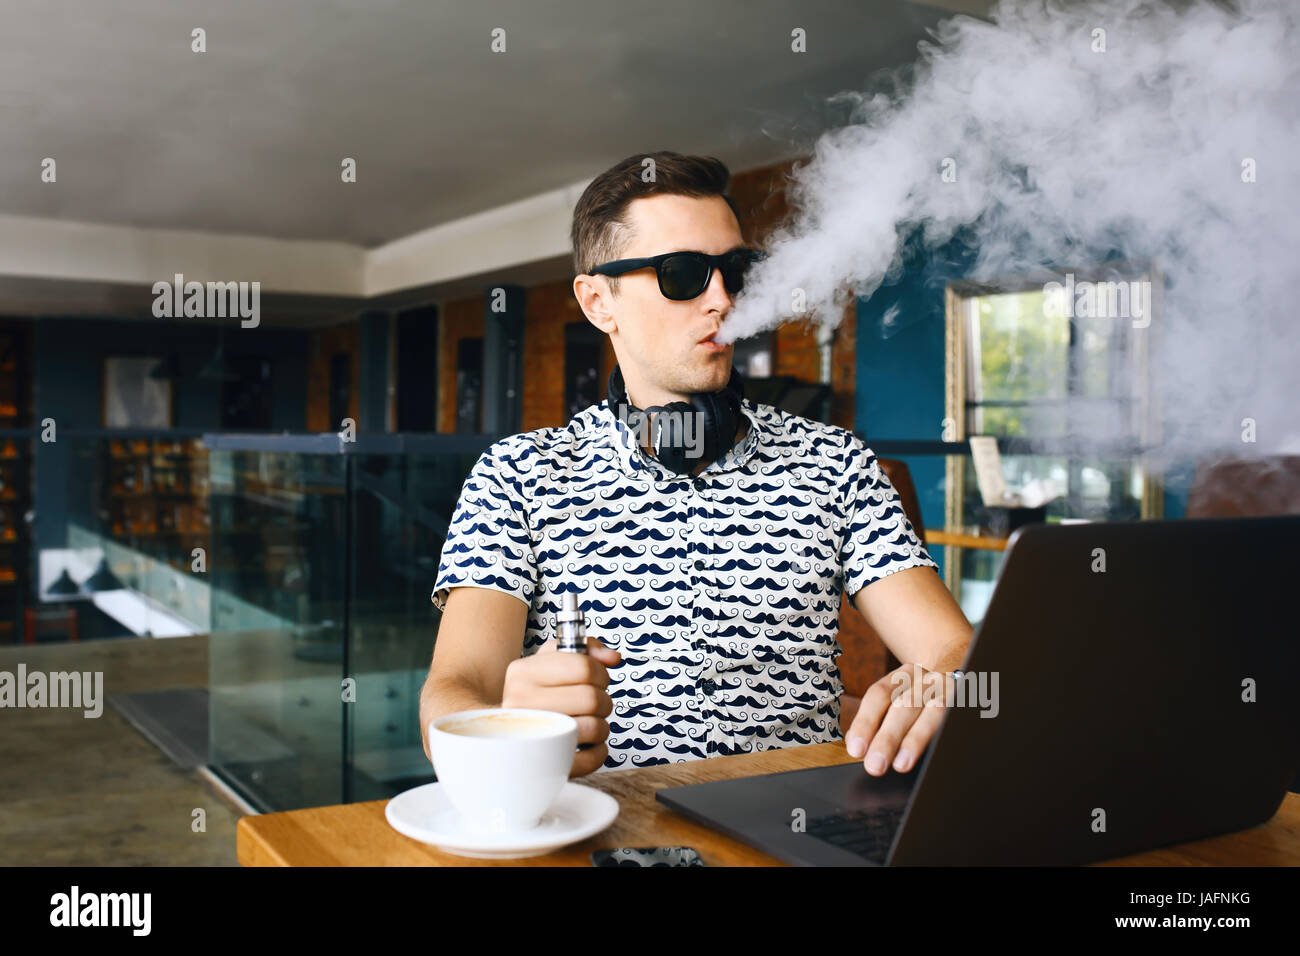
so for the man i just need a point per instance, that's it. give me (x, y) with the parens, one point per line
(711, 592)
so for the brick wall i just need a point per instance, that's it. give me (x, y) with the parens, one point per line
(844, 369)
(547, 310)
(456, 320)
(324, 344)
(761, 197)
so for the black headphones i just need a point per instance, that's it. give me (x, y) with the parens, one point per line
(721, 415)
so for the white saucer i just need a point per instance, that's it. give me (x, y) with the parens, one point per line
(424, 814)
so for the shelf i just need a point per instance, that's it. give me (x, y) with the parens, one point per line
(194, 496)
(965, 538)
(15, 453)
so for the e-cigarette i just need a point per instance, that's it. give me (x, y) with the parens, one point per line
(571, 631)
(571, 626)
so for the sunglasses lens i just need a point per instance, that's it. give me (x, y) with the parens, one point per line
(733, 272)
(683, 277)
(736, 266)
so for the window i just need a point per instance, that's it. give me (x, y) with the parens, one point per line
(753, 356)
(1066, 372)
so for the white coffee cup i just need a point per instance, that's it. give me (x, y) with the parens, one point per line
(502, 767)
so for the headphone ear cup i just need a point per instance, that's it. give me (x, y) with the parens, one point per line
(721, 412)
(736, 385)
(615, 391)
(672, 454)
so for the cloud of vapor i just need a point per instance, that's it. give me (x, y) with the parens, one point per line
(1070, 133)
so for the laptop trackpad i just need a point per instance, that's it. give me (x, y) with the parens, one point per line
(849, 787)
(774, 797)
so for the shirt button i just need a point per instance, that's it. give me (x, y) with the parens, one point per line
(699, 565)
(700, 484)
(707, 687)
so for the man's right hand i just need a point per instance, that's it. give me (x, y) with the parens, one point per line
(572, 684)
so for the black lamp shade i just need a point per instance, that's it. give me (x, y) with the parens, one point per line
(103, 579)
(63, 585)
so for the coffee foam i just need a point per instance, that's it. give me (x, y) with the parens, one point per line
(502, 725)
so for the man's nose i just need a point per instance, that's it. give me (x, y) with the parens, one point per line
(716, 294)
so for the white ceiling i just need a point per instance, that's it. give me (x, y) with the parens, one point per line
(158, 147)
(247, 138)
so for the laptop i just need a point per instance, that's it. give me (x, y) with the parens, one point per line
(1146, 695)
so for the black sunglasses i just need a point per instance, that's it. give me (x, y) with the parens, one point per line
(685, 275)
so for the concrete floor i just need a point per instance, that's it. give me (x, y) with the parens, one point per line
(95, 792)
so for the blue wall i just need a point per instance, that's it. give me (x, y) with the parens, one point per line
(900, 369)
(69, 363)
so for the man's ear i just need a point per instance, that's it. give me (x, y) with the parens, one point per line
(592, 293)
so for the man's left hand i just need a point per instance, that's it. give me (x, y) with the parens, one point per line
(898, 716)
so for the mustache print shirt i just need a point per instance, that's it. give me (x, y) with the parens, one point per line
(721, 591)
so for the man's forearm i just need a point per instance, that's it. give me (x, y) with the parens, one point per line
(954, 655)
(946, 649)
(917, 618)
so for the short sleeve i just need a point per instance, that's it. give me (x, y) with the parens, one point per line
(488, 541)
(878, 537)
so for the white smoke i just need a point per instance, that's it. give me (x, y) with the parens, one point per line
(1073, 131)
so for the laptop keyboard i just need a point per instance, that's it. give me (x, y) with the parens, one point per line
(868, 833)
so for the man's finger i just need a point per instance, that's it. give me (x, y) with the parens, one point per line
(606, 655)
(872, 710)
(884, 745)
(592, 730)
(557, 670)
(587, 761)
(596, 650)
(576, 700)
(918, 738)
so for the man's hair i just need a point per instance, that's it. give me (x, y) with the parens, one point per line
(600, 226)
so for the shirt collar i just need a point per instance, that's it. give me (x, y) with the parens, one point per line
(636, 463)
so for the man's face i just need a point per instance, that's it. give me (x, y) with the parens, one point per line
(658, 339)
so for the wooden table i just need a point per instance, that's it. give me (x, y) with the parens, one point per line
(356, 834)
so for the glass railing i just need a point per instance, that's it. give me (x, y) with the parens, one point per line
(119, 530)
(322, 560)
